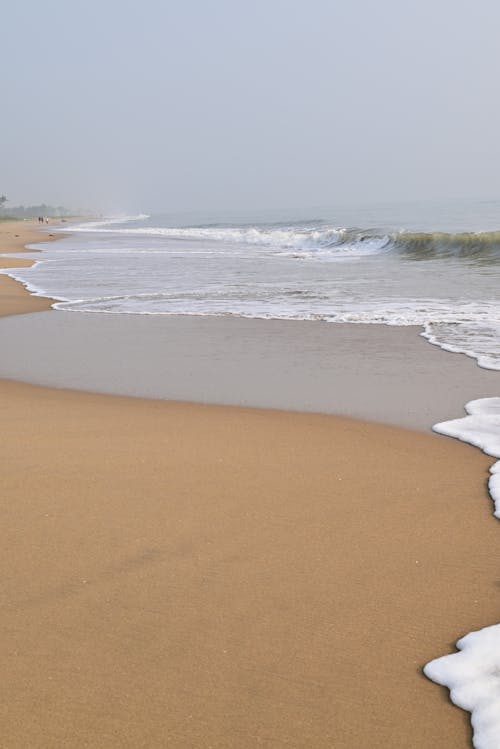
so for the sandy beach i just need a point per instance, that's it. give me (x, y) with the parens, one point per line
(14, 236)
(189, 575)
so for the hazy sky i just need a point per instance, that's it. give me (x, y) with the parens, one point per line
(159, 104)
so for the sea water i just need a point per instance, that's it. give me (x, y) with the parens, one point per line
(411, 265)
(435, 265)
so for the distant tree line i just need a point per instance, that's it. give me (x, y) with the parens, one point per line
(31, 211)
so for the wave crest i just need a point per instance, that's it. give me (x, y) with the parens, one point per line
(483, 246)
(321, 241)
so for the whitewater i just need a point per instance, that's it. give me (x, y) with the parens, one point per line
(439, 270)
(445, 281)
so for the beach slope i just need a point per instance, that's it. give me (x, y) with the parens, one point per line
(191, 576)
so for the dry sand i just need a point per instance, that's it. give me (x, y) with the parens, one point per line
(203, 576)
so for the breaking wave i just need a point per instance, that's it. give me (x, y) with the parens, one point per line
(306, 240)
(483, 246)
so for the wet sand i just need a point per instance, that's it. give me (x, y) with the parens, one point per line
(191, 575)
(384, 374)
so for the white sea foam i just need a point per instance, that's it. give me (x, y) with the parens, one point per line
(473, 674)
(473, 677)
(476, 335)
(481, 427)
(305, 241)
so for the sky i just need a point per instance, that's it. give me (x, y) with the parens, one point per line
(213, 104)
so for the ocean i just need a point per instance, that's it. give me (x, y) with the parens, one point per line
(422, 264)
(435, 265)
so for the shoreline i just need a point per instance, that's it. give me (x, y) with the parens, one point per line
(380, 373)
(197, 528)
(14, 236)
(369, 372)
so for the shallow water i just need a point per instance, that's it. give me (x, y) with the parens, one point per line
(428, 265)
(373, 372)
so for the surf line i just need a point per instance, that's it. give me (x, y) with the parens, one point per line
(473, 673)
